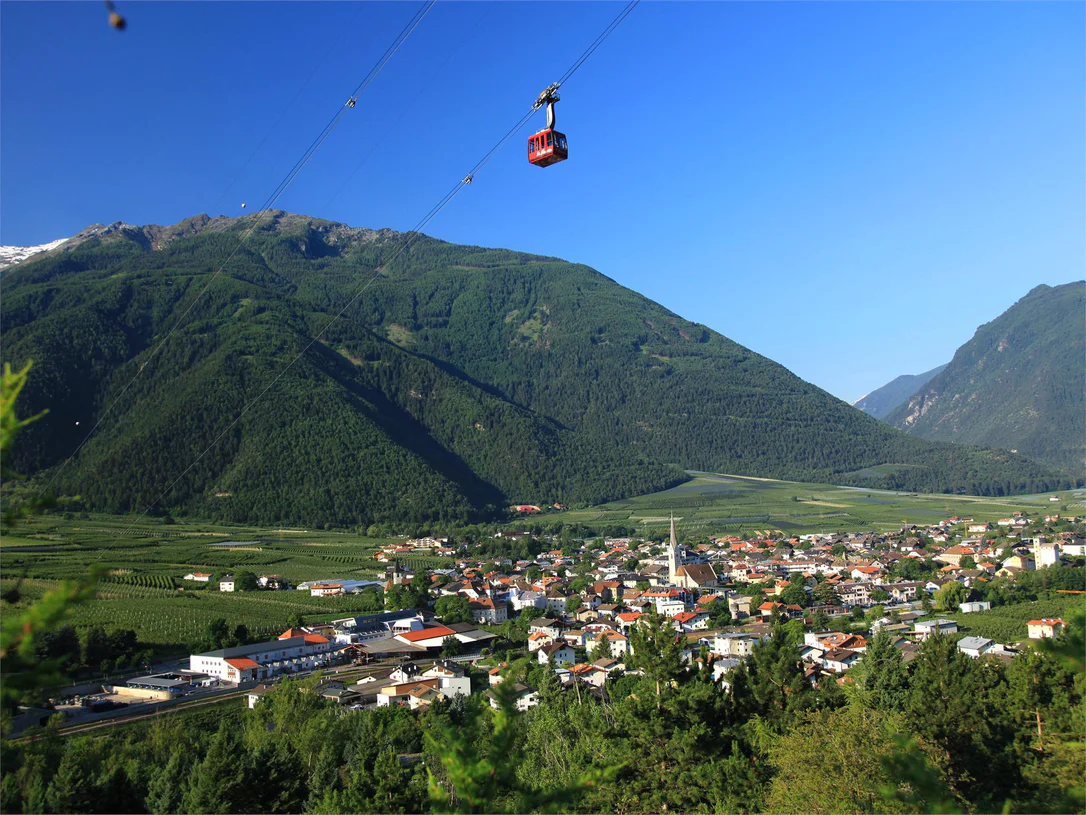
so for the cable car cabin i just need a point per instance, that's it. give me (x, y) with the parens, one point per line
(547, 147)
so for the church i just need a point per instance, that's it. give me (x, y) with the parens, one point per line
(688, 575)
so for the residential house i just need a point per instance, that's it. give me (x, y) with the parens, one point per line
(618, 644)
(736, 645)
(975, 646)
(489, 612)
(557, 653)
(227, 583)
(538, 640)
(927, 628)
(1045, 628)
(545, 626)
(690, 621)
(840, 660)
(453, 679)
(525, 697)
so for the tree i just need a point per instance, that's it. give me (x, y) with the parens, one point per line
(880, 676)
(967, 562)
(453, 609)
(771, 683)
(218, 633)
(218, 783)
(954, 705)
(826, 594)
(950, 595)
(720, 614)
(795, 595)
(838, 761)
(655, 650)
(573, 602)
(420, 587)
(476, 765)
(880, 595)
(244, 580)
(95, 647)
(450, 647)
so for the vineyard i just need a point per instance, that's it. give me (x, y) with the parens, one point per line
(143, 588)
(1007, 624)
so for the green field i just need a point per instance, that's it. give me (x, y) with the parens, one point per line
(144, 590)
(725, 504)
(1007, 624)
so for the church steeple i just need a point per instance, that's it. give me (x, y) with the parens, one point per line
(673, 553)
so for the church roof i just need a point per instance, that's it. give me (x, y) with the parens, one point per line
(699, 573)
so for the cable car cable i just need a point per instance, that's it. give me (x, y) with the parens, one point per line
(257, 217)
(408, 240)
(406, 109)
(289, 105)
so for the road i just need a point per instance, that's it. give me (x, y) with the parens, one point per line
(149, 710)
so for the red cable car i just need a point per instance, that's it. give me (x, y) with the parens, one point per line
(548, 146)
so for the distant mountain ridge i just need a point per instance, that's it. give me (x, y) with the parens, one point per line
(1019, 383)
(462, 379)
(882, 401)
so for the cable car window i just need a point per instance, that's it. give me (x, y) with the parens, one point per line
(548, 140)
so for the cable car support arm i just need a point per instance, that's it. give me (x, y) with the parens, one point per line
(548, 97)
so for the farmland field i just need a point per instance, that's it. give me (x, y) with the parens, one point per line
(144, 590)
(1007, 624)
(726, 504)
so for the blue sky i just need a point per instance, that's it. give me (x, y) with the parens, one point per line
(847, 188)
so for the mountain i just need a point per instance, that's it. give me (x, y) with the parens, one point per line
(10, 255)
(881, 401)
(458, 379)
(1019, 383)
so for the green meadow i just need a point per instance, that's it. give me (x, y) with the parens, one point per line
(712, 504)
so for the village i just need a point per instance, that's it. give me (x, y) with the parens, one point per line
(575, 609)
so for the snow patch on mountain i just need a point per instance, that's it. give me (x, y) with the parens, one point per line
(10, 255)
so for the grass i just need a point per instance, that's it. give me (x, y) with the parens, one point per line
(714, 504)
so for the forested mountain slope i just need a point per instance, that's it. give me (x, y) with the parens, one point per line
(882, 401)
(1019, 383)
(461, 379)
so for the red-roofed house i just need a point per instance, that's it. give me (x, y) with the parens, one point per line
(691, 621)
(427, 637)
(242, 670)
(1045, 628)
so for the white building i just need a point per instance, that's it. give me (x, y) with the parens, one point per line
(370, 627)
(734, 645)
(245, 663)
(975, 606)
(1045, 628)
(928, 627)
(525, 697)
(1045, 554)
(976, 646)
